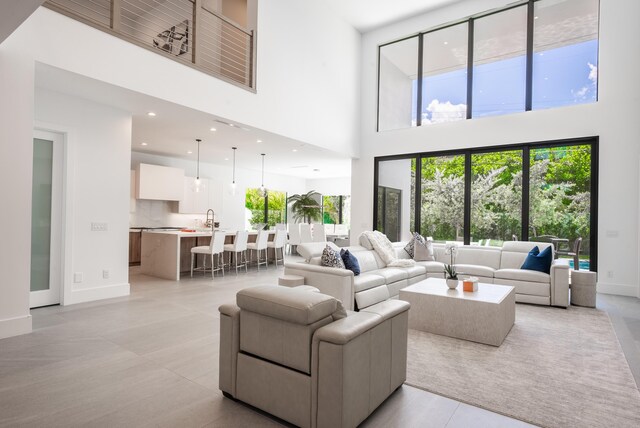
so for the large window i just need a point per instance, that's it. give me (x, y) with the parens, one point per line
(444, 75)
(499, 63)
(268, 209)
(336, 209)
(535, 55)
(543, 192)
(397, 90)
(442, 198)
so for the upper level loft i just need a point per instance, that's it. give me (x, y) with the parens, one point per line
(213, 36)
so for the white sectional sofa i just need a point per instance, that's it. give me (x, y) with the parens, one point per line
(378, 282)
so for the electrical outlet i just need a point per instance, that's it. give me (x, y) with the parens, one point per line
(77, 277)
(98, 227)
(609, 274)
(105, 274)
(612, 233)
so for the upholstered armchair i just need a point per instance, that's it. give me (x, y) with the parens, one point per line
(298, 355)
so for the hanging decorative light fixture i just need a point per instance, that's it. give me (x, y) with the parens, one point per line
(263, 190)
(197, 183)
(233, 182)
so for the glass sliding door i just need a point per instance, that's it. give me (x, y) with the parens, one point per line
(560, 199)
(442, 198)
(496, 197)
(396, 198)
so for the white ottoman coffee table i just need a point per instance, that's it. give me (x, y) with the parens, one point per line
(484, 316)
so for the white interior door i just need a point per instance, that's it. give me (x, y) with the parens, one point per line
(46, 219)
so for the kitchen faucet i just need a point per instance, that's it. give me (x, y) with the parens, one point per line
(209, 222)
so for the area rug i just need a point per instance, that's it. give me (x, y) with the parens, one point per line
(556, 368)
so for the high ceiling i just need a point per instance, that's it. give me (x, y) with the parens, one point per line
(367, 15)
(174, 128)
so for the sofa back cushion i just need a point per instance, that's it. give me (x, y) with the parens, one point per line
(514, 253)
(481, 256)
(438, 253)
(368, 260)
(314, 249)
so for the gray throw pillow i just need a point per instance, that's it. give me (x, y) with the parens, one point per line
(331, 258)
(410, 247)
(423, 251)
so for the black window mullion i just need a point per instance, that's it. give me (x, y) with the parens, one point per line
(266, 208)
(467, 198)
(340, 210)
(529, 64)
(526, 168)
(419, 94)
(593, 244)
(470, 68)
(418, 196)
(376, 172)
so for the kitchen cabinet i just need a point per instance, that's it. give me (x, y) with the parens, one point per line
(161, 183)
(135, 247)
(193, 202)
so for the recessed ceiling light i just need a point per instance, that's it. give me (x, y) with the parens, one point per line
(294, 150)
(231, 124)
(213, 129)
(316, 170)
(258, 141)
(535, 17)
(226, 158)
(152, 114)
(143, 144)
(446, 43)
(189, 152)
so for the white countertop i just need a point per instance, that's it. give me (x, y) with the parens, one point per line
(199, 233)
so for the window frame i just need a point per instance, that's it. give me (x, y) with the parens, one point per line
(592, 141)
(470, 28)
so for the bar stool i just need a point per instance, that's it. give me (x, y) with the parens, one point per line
(278, 243)
(319, 233)
(215, 249)
(258, 246)
(294, 237)
(239, 249)
(305, 233)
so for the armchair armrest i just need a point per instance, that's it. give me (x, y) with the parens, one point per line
(559, 284)
(346, 329)
(229, 347)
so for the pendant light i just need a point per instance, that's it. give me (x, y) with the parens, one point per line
(263, 190)
(233, 183)
(196, 182)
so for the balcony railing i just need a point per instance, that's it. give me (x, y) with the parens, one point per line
(186, 31)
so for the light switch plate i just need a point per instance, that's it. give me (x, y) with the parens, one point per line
(77, 277)
(98, 227)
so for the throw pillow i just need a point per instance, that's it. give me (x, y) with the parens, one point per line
(410, 247)
(539, 260)
(350, 261)
(423, 252)
(331, 258)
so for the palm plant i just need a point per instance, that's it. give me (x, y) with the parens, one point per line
(305, 207)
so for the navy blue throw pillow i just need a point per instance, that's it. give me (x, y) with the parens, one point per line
(350, 261)
(539, 261)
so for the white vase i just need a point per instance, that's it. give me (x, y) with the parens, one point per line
(452, 283)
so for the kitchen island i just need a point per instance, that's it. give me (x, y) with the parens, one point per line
(167, 253)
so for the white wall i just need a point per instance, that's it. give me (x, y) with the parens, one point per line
(613, 118)
(330, 186)
(229, 209)
(98, 144)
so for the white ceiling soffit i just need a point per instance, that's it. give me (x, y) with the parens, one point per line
(174, 128)
(367, 15)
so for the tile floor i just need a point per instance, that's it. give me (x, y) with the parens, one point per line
(151, 359)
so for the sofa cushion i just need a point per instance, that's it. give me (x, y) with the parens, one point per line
(350, 261)
(475, 270)
(367, 280)
(423, 251)
(314, 249)
(392, 274)
(538, 260)
(415, 270)
(479, 256)
(528, 288)
(523, 275)
(432, 267)
(332, 258)
(515, 252)
(368, 260)
(364, 241)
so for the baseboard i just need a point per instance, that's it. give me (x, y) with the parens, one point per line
(618, 289)
(15, 326)
(97, 293)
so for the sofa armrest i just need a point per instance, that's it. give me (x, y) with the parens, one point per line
(559, 284)
(346, 329)
(332, 281)
(229, 347)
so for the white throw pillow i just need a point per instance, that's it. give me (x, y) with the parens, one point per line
(423, 251)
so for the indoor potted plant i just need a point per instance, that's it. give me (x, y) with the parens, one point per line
(306, 207)
(451, 276)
